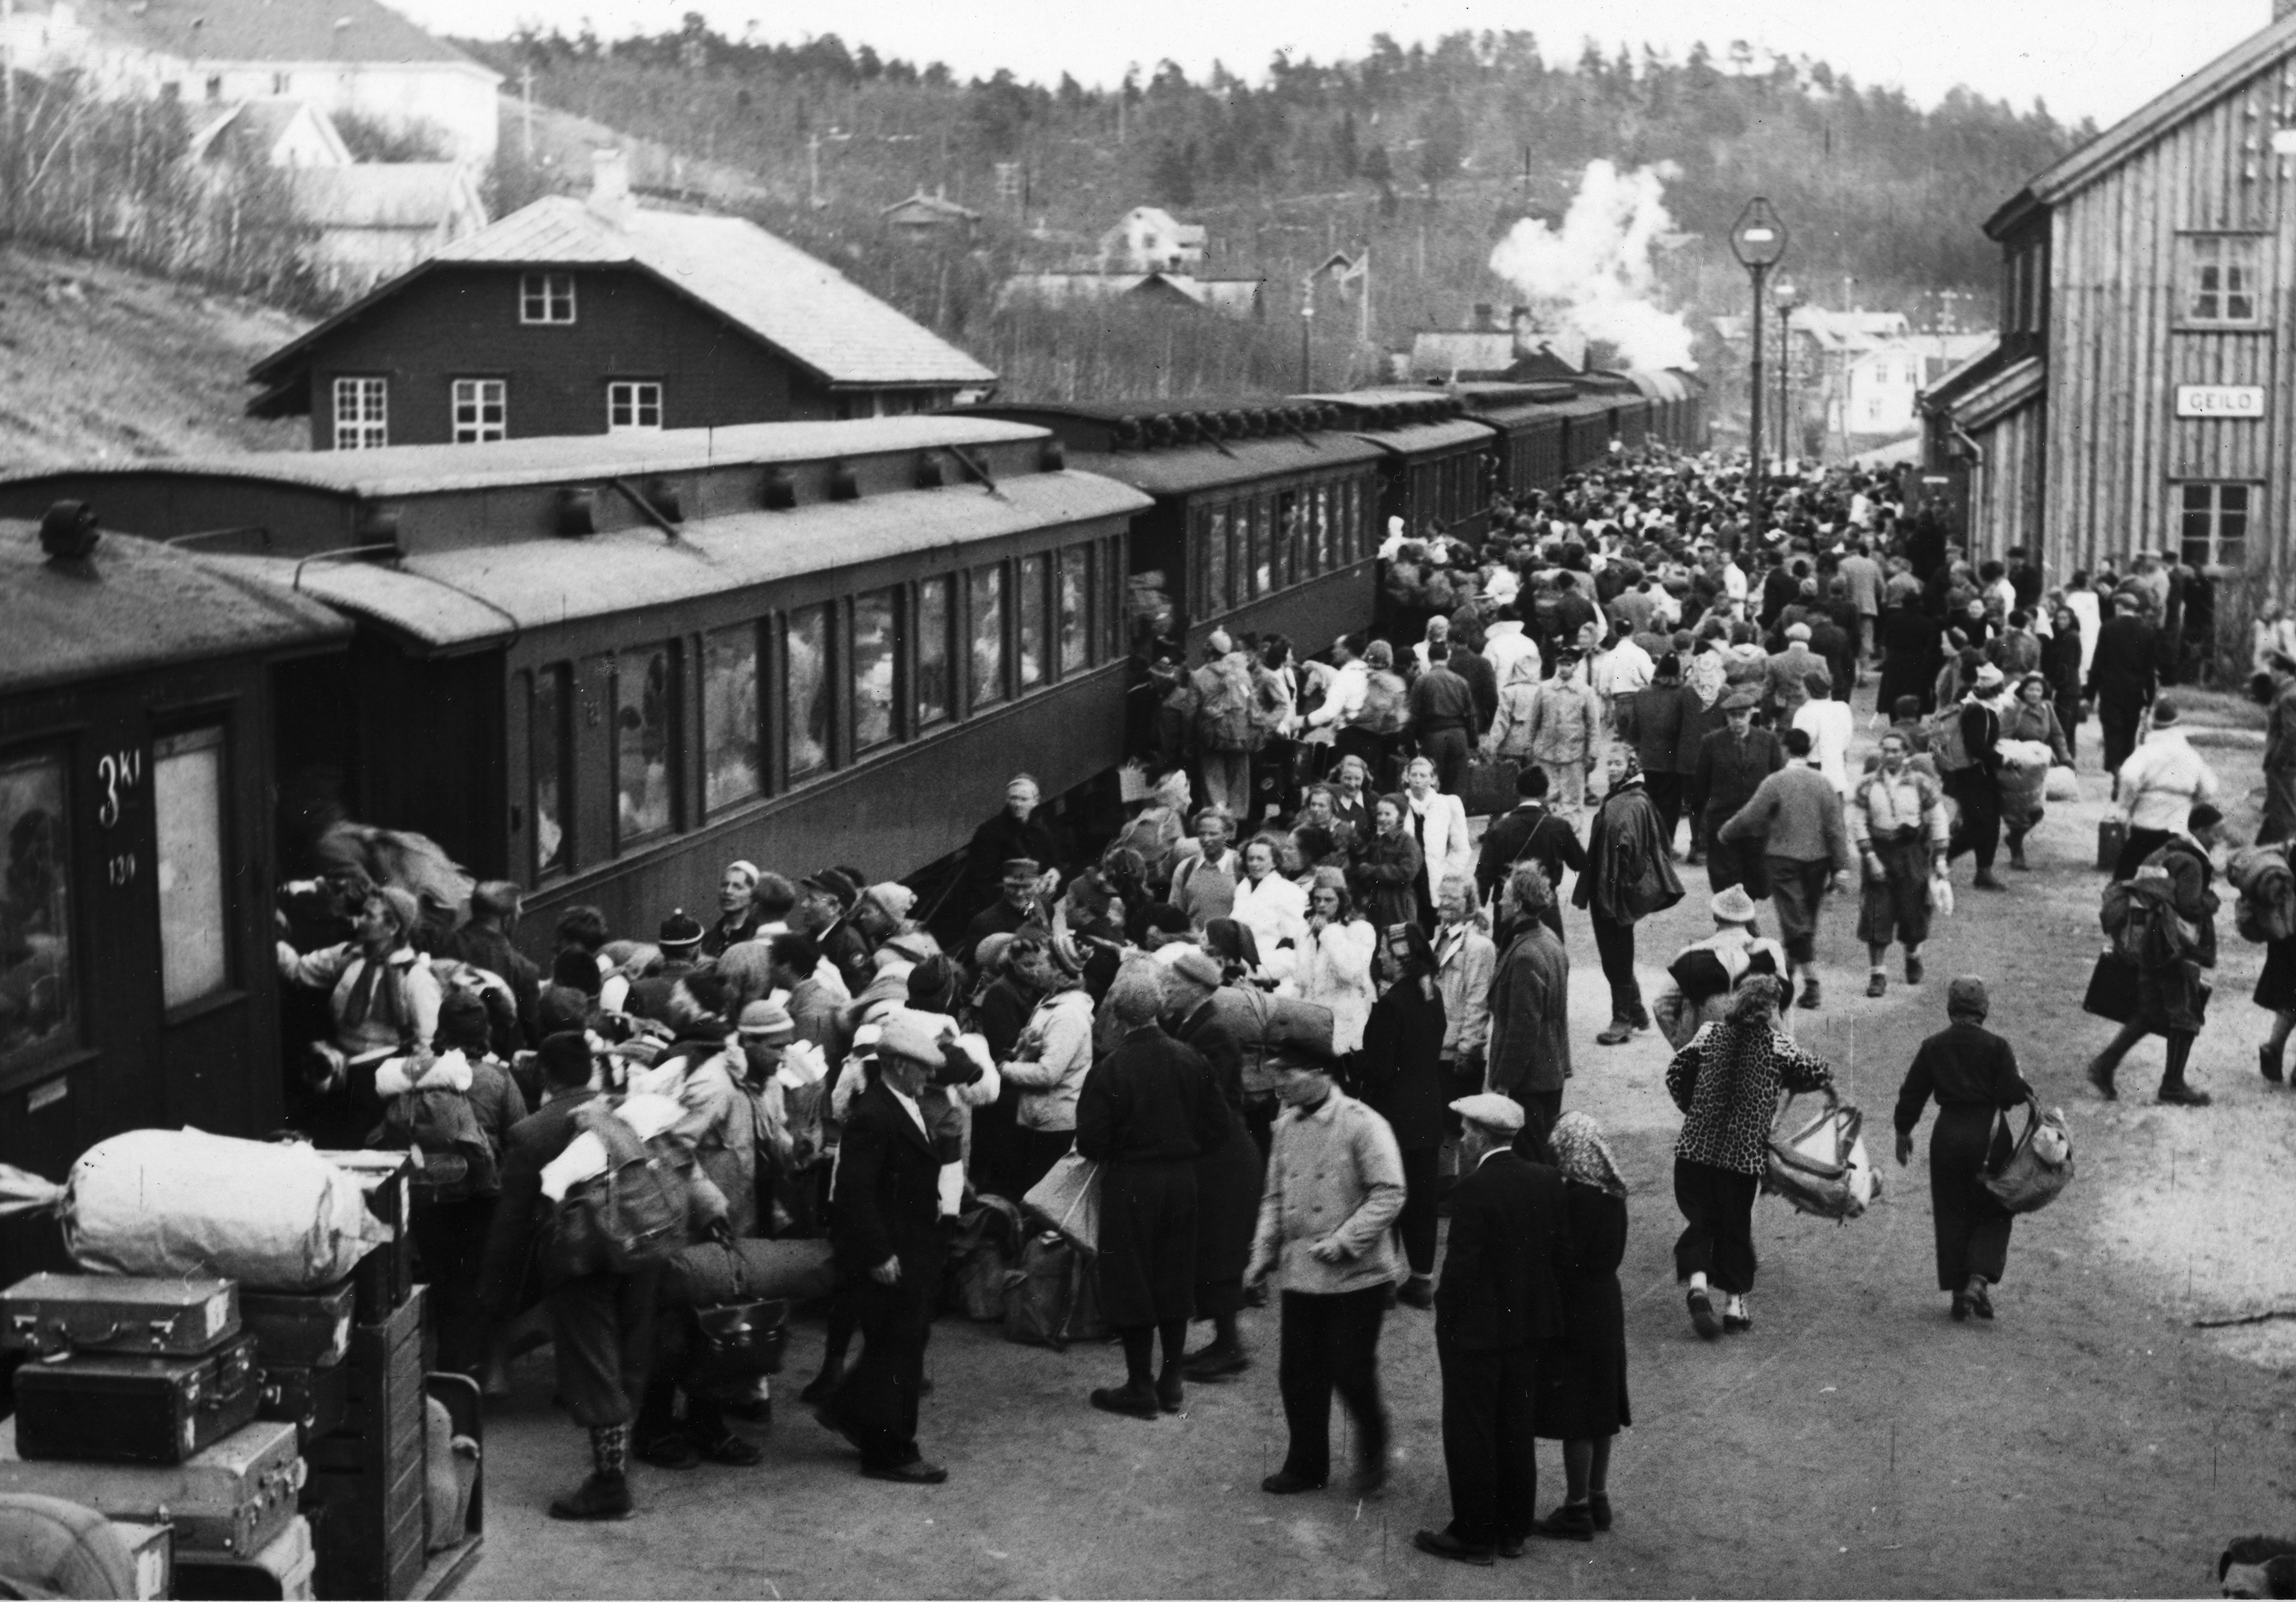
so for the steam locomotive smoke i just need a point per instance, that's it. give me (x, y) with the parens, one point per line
(1593, 277)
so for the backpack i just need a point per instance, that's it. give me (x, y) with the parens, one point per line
(1224, 712)
(1700, 974)
(454, 1161)
(1948, 749)
(2145, 929)
(630, 1217)
(2267, 909)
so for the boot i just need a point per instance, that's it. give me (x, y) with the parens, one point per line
(2174, 1090)
(2017, 856)
(658, 1437)
(1986, 881)
(1808, 991)
(2268, 1064)
(1621, 1032)
(606, 1493)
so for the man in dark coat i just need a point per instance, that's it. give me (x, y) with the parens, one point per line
(1629, 876)
(1228, 1177)
(2122, 676)
(1443, 719)
(1529, 833)
(602, 1324)
(884, 1229)
(1016, 830)
(1732, 764)
(1499, 1300)
(484, 942)
(1147, 1112)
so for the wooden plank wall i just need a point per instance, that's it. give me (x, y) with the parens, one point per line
(2115, 449)
(2005, 494)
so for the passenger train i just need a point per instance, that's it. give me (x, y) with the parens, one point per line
(603, 667)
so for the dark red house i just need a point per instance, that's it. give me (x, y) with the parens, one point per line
(574, 316)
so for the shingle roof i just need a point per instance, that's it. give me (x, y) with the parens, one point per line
(270, 30)
(800, 306)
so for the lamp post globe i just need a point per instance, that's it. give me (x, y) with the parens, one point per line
(1759, 241)
(1786, 297)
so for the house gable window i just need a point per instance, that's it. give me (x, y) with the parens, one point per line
(2220, 278)
(362, 413)
(546, 297)
(480, 408)
(631, 407)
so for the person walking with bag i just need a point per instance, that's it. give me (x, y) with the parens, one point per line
(2163, 922)
(1898, 824)
(1972, 1073)
(1334, 1191)
(1727, 1082)
(1497, 1308)
(1629, 876)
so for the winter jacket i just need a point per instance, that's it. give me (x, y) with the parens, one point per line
(1049, 1065)
(1333, 1173)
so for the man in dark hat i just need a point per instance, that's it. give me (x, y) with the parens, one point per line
(485, 941)
(1733, 761)
(2123, 673)
(1016, 830)
(1015, 906)
(825, 903)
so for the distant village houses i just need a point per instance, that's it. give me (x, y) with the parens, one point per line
(1150, 256)
(1857, 375)
(924, 219)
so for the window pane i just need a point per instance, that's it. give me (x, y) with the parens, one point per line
(362, 413)
(2199, 524)
(1075, 608)
(188, 796)
(1284, 541)
(643, 710)
(548, 756)
(872, 669)
(987, 623)
(1113, 587)
(805, 676)
(37, 1006)
(1216, 596)
(732, 750)
(479, 405)
(933, 651)
(1034, 595)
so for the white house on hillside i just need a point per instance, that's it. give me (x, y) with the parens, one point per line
(1148, 239)
(353, 56)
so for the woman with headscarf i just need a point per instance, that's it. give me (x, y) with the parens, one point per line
(2060, 663)
(2028, 715)
(738, 915)
(1383, 871)
(1333, 966)
(1581, 1399)
(1727, 1082)
(1972, 1073)
(1400, 1072)
(1629, 875)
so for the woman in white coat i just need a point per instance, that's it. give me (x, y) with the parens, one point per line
(1333, 968)
(1439, 822)
(1269, 904)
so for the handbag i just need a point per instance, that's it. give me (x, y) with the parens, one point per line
(2041, 1164)
(1488, 788)
(2111, 992)
(1821, 1169)
(734, 1341)
(1067, 1199)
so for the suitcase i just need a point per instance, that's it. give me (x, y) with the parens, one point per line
(2111, 834)
(152, 1548)
(300, 1329)
(234, 1498)
(50, 1313)
(385, 1274)
(110, 1407)
(281, 1570)
(314, 1401)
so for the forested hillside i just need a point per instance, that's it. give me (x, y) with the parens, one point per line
(1428, 156)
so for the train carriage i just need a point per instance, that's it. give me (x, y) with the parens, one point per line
(1528, 451)
(603, 667)
(136, 980)
(1437, 474)
(1264, 520)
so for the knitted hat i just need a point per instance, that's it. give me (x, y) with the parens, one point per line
(1191, 964)
(893, 899)
(767, 1021)
(1733, 905)
(1967, 994)
(678, 932)
(2164, 714)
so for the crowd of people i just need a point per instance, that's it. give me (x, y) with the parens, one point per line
(1630, 675)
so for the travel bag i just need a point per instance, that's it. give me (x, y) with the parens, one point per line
(52, 1313)
(314, 1401)
(1054, 1296)
(2038, 1166)
(234, 1498)
(2111, 834)
(382, 1278)
(2111, 993)
(737, 1338)
(1821, 1167)
(300, 1329)
(1068, 1198)
(114, 1408)
(792, 1271)
(282, 1569)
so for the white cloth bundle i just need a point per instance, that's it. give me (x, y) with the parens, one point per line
(449, 1070)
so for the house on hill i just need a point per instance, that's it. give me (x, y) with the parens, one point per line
(597, 315)
(931, 219)
(354, 56)
(2143, 389)
(270, 133)
(1147, 239)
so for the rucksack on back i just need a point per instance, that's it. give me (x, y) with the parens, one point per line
(454, 1161)
(1948, 749)
(632, 1216)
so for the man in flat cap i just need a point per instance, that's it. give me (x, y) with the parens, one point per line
(1499, 1299)
(1733, 761)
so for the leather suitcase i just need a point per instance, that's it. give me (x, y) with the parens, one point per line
(234, 1498)
(300, 1329)
(385, 1275)
(280, 1570)
(314, 1401)
(110, 1407)
(50, 1313)
(152, 1546)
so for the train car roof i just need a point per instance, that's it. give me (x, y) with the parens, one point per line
(1406, 420)
(1180, 470)
(134, 605)
(468, 598)
(402, 469)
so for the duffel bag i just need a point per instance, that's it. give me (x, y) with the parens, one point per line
(1037, 1293)
(980, 1259)
(1821, 1167)
(788, 1270)
(2041, 1164)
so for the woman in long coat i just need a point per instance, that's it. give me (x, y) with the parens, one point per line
(1228, 1177)
(1384, 871)
(1401, 1076)
(1582, 1379)
(2061, 664)
(1629, 875)
(1972, 1073)
(2030, 716)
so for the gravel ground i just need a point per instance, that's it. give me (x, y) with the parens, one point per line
(1854, 1443)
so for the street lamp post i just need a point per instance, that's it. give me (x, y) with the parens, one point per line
(1758, 240)
(1307, 326)
(1787, 297)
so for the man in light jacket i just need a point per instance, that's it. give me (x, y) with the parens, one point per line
(1334, 1191)
(1795, 819)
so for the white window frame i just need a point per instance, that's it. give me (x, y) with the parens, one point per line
(2198, 252)
(545, 299)
(479, 410)
(362, 413)
(628, 403)
(2216, 514)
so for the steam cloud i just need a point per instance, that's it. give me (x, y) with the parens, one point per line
(1593, 277)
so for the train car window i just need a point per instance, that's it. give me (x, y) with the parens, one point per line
(732, 725)
(932, 651)
(36, 934)
(1075, 608)
(1284, 553)
(985, 605)
(1115, 592)
(805, 689)
(1253, 525)
(187, 797)
(645, 708)
(1034, 596)
(875, 646)
(1215, 563)
(1325, 557)
(550, 749)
